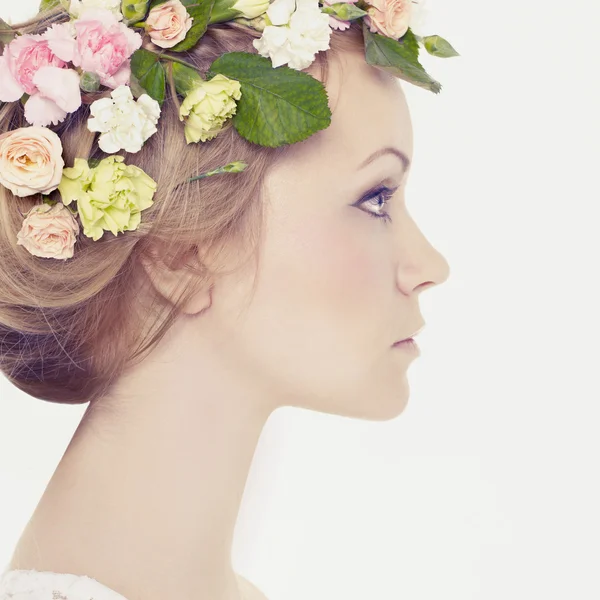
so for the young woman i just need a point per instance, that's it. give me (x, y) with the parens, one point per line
(288, 284)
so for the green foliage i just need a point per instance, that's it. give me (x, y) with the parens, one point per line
(48, 5)
(200, 13)
(344, 11)
(438, 46)
(398, 57)
(278, 106)
(149, 73)
(134, 12)
(7, 34)
(185, 78)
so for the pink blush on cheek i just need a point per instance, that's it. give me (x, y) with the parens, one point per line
(344, 272)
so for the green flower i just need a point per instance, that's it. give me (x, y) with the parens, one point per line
(207, 106)
(109, 196)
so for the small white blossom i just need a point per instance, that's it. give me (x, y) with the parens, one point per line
(299, 30)
(419, 16)
(124, 123)
(78, 7)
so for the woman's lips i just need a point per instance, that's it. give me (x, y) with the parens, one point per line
(409, 345)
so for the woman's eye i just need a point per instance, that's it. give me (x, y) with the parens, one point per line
(378, 199)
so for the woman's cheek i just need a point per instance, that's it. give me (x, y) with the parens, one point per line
(344, 267)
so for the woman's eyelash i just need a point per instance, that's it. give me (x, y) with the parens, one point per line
(383, 192)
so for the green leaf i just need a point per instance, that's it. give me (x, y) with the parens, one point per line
(200, 13)
(438, 46)
(398, 57)
(48, 5)
(7, 33)
(344, 11)
(150, 73)
(134, 85)
(185, 78)
(279, 105)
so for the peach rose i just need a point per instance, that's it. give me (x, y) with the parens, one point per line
(168, 23)
(389, 17)
(31, 161)
(49, 231)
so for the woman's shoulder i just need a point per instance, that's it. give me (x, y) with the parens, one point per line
(21, 584)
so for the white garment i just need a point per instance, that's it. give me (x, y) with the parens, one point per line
(19, 584)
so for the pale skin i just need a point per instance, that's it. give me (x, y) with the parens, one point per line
(146, 497)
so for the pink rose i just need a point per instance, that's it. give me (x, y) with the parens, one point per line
(98, 43)
(49, 231)
(168, 23)
(389, 17)
(31, 161)
(334, 22)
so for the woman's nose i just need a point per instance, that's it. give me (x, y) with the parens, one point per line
(420, 264)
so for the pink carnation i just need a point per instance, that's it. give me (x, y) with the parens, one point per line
(23, 57)
(97, 43)
(28, 65)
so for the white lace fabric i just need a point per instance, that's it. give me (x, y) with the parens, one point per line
(20, 584)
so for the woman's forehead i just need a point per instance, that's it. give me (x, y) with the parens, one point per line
(369, 111)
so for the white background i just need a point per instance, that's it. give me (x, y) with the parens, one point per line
(487, 486)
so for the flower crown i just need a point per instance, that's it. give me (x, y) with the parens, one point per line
(101, 46)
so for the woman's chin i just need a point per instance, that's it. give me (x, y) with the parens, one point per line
(377, 403)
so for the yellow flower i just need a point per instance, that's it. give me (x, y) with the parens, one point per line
(207, 106)
(109, 196)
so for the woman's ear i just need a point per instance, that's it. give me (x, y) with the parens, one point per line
(172, 276)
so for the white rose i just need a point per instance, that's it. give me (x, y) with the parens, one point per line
(31, 161)
(124, 124)
(78, 7)
(301, 30)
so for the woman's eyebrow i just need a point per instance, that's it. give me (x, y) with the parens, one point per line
(387, 150)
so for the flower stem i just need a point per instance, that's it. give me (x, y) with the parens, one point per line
(234, 167)
(177, 60)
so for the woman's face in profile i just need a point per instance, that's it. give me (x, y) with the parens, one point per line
(340, 270)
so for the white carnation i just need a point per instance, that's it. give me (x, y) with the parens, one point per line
(78, 7)
(124, 123)
(300, 29)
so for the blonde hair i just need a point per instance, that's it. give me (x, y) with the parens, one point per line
(69, 328)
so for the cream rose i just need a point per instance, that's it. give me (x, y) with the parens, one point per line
(389, 17)
(49, 231)
(31, 161)
(168, 23)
